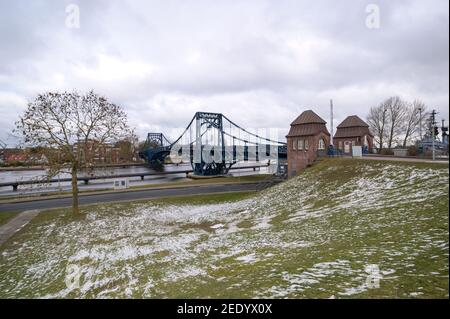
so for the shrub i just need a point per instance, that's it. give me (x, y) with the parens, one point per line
(386, 151)
(428, 153)
(412, 151)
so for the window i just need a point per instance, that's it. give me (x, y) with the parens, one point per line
(340, 145)
(294, 145)
(306, 144)
(300, 145)
(321, 144)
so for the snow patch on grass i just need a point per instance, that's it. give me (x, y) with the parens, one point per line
(311, 236)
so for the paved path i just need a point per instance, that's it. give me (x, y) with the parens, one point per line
(15, 224)
(404, 159)
(129, 196)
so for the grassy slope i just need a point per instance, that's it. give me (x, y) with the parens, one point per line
(312, 236)
(6, 216)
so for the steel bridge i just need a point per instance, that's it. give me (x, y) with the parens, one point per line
(212, 144)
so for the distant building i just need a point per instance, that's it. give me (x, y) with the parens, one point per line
(308, 139)
(425, 146)
(353, 131)
(97, 153)
(14, 156)
(37, 159)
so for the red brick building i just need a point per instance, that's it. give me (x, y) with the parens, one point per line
(14, 155)
(98, 153)
(308, 139)
(353, 131)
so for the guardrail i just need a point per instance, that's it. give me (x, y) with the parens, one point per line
(86, 179)
(43, 167)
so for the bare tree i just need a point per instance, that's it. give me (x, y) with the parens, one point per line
(412, 120)
(396, 110)
(377, 120)
(66, 123)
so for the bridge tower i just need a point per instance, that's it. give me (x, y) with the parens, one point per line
(156, 148)
(205, 123)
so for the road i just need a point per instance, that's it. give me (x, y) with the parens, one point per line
(128, 196)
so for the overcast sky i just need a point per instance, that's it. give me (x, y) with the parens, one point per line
(261, 63)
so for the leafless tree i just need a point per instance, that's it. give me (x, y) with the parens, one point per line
(396, 111)
(395, 121)
(378, 121)
(65, 123)
(411, 121)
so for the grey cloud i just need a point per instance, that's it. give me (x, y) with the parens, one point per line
(259, 62)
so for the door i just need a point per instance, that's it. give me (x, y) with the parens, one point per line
(347, 145)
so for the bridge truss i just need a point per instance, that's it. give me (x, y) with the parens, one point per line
(212, 143)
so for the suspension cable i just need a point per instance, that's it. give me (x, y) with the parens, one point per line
(266, 139)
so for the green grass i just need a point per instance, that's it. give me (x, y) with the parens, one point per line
(22, 197)
(310, 237)
(204, 199)
(173, 200)
(206, 181)
(6, 217)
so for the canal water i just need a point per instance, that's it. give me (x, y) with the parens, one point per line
(99, 184)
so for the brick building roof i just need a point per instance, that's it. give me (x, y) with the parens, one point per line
(308, 117)
(353, 121)
(306, 124)
(352, 126)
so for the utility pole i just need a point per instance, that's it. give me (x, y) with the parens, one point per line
(433, 135)
(420, 123)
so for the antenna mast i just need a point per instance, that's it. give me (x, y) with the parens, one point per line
(332, 119)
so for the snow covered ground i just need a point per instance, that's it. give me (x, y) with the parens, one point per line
(342, 229)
